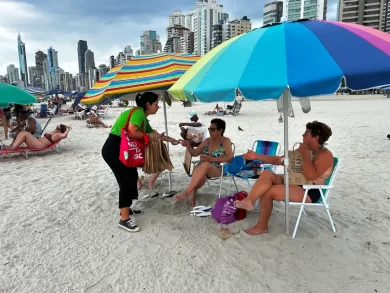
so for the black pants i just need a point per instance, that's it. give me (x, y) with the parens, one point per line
(125, 176)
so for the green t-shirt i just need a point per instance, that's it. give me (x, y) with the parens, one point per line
(137, 118)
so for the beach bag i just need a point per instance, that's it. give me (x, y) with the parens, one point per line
(224, 210)
(295, 168)
(132, 151)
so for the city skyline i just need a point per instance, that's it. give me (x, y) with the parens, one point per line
(97, 24)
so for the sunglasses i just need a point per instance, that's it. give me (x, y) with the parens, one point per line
(211, 129)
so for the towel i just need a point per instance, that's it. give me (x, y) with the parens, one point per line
(156, 155)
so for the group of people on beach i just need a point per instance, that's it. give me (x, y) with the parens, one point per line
(213, 150)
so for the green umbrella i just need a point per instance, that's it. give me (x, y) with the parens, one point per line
(14, 94)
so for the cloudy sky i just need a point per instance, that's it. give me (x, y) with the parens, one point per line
(107, 26)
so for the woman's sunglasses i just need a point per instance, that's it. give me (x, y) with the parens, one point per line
(212, 129)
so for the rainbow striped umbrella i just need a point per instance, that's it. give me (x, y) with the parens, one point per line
(309, 57)
(141, 73)
(301, 58)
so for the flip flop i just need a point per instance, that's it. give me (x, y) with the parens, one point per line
(200, 214)
(154, 194)
(202, 208)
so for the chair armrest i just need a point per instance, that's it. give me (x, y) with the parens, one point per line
(317, 186)
(195, 162)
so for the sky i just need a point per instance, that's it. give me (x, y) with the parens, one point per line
(107, 26)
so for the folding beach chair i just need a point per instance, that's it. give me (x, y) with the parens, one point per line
(24, 151)
(189, 164)
(324, 200)
(235, 108)
(262, 147)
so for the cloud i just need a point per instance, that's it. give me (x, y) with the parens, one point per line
(107, 26)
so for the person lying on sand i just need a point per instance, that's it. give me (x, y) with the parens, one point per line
(213, 151)
(48, 139)
(94, 119)
(270, 187)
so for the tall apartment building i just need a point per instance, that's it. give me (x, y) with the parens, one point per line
(82, 47)
(187, 43)
(38, 80)
(22, 61)
(32, 73)
(111, 62)
(225, 31)
(89, 60)
(371, 13)
(4, 79)
(177, 18)
(272, 12)
(103, 69)
(177, 36)
(13, 74)
(128, 51)
(206, 14)
(149, 43)
(310, 9)
(52, 58)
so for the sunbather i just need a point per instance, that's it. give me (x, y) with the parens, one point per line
(270, 187)
(48, 139)
(213, 151)
(215, 111)
(94, 119)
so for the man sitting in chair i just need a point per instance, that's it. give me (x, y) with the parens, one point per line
(195, 132)
(270, 186)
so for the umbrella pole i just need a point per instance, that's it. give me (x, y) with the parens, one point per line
(170, 192)
(286, 96)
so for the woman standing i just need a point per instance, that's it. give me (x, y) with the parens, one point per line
(127, 177)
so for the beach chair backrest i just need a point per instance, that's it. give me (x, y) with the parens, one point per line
(268, 148)
(237, 107)
(330, 179)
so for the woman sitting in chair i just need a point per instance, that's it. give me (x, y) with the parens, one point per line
(213, 151)
(46, 140)
(94, 120)
(270, 186)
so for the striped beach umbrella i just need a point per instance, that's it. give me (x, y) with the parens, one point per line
(155, 72)
(301, 58)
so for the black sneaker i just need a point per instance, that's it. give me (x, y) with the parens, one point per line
(128, 225)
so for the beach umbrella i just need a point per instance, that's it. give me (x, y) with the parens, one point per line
(55, 91)
(14, 94)
(301, 58)
(34, 90)
(156, 73)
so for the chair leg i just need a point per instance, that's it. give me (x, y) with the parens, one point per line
(304, 212)
(208, 183)
(220, 187)
(230, 184)
(330, 217)
(299, 218)
(235, 184)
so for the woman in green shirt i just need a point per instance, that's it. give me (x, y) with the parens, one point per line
(127, 177)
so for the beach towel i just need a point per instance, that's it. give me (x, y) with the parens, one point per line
(156, 155)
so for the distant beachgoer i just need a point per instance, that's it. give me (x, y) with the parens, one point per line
(213, 151)
(270, 186)
(48, 139)
(127, 177)
(5, 117)
(94, 119)
(195, 125)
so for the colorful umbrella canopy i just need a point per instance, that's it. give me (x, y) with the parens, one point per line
(308, 56)
(14, 94)
(141, 73)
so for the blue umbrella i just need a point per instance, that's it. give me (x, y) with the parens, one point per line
(302, 58)
(78, 98)
(55, 91)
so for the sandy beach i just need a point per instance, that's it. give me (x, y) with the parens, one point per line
(59, 214)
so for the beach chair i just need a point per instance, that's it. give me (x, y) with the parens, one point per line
(53, 112)
(189, 166)
(235, 109)
(261, 147)
(102, 112)
(24, 151)
(324, 200)
(79, 115)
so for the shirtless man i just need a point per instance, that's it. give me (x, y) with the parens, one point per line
(270, 187)
(195, 124)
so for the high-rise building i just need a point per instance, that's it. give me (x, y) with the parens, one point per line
(177, 18)
(39, 79)
(149, 43)
(82, 47)
(128, 51)
(187, 43)
(177, 35)
(103, 69)
(120, 58)
(111, 62)
(237, 27)
(272, 12)
(22, 61)
(206, 14)
(371, 13)
(32, 73)
(89, 60)
(310, 9)
(12, 73)
(52, 59)
(217, 35)
(3, 79)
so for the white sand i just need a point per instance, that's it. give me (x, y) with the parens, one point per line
(58, 216)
